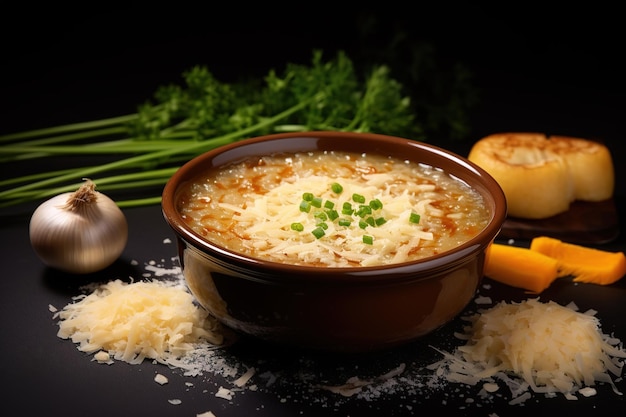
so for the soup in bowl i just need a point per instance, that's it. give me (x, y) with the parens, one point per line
(332, 240)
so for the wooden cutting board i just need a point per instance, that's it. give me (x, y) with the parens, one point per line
(584, 223)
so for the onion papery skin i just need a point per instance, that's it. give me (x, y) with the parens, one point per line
(82, 240)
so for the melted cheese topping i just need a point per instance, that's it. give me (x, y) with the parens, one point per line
(549, 347)
(131, 322)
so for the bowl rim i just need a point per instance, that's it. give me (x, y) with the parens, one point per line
(441, 261)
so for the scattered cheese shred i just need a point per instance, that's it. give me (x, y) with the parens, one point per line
(144, 319)
(103, 357)
(224, 393)
(243, 379)
(354, 385)
(549, 348)
(160, 379)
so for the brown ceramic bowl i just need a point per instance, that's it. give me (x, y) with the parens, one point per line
(337, 309)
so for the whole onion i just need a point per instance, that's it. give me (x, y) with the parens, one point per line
(79, 232)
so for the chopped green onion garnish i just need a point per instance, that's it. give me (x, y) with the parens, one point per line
(376, 204)
(336, 187)
(328, 213)
(320, 215)
(318, 232)
(414, 218)
(305, 206)
(316, 202)
(364, 211)
(358, 198)
(332, 214)
(344, 222)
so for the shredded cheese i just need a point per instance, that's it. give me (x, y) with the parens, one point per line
(355, 385)
(131, 322)
(224, 393)
(268, 217)
(243, 379)
(160, 379)
(546, 347)
(103, 357)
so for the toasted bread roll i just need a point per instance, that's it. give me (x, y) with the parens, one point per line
(591, 167)
(541, 176)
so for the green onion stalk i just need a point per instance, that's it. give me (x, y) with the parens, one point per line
(144, 149)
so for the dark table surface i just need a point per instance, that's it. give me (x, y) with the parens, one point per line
(83, 69)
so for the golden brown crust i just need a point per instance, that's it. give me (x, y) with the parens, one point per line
(540, 175)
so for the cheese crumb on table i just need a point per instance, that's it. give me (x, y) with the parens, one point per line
(224, 393)
(160, 379)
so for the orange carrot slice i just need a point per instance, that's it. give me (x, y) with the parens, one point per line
(585, 264)
(520, 267)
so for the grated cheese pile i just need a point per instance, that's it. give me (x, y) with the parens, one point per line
(145, 319)
(546, 347)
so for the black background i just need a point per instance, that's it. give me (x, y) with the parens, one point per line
(560, 74)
